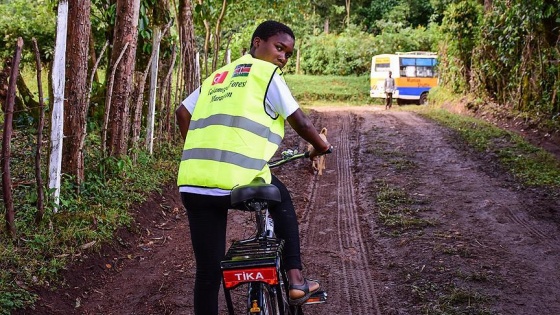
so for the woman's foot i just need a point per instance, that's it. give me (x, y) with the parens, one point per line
(299, 293)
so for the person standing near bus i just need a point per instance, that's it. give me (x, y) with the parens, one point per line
(233, 124)
(389, 88)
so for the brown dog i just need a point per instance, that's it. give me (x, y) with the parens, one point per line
(319, 163)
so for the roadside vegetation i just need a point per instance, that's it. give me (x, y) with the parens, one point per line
(87, 217)
(531, 165)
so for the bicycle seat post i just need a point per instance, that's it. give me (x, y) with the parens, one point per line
(259, 208)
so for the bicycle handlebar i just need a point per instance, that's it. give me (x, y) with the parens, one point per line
(291, 155)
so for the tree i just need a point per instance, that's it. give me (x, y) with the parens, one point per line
(188, 47)
(79, 29)
(125, 39)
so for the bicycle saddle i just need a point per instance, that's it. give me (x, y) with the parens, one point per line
(256, 190)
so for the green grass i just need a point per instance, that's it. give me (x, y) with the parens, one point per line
(531, 165)
(397, 210)
(309, 89)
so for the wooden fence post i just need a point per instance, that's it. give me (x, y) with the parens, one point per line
(38, 176)
(6, 140)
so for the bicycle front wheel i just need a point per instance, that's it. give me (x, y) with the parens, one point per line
(261, 300)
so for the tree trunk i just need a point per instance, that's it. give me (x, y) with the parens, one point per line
(75, 107)
(30, 105)
(7, 137)
(126, 31)
(190, 71)
(165, 120)
(207, 33)
(150, 119)
(93, 56)
(218, 35)
(108, 101)
(347, 12)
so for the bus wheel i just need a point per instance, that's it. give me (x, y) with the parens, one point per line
(400, 101)
(423, 99)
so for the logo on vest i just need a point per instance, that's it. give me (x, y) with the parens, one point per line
(242, 70)
(219, 78)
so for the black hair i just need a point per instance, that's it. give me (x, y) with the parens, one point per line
(269, 28)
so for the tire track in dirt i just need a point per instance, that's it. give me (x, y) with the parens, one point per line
(516, 216)
(520, 219)
(505, 230)
(345, 271)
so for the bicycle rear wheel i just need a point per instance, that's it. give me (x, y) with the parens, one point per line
(261, 300)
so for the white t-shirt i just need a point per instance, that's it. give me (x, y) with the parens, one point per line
(279, 101)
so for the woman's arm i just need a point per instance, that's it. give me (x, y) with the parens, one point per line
(183, 120)
(305, 129)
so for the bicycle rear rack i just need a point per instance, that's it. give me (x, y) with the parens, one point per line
(256, 259)
(253, 252)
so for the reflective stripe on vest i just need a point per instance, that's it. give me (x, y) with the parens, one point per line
(240, 122)
(224, 156)
(230, 136)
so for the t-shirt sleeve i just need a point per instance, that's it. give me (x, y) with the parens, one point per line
(279, 98)
(190, 101)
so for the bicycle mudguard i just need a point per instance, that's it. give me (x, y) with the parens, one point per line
(252, 260)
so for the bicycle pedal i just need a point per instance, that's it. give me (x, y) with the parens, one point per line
(317, 298)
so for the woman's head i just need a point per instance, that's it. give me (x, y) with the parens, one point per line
(273, 42)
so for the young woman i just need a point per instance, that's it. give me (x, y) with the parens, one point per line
(233, 124)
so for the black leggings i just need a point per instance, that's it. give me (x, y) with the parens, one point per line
(208, 220)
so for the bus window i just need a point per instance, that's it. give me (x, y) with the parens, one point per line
(417, 67)
(382, 67)
(425, 67)
(410, 71)
(382, 64)
(407, 67)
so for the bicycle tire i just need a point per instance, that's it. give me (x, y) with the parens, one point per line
(265, 298)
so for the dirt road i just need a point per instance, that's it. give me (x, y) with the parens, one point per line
(403, 221)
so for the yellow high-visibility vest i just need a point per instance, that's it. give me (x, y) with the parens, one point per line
(231, 137)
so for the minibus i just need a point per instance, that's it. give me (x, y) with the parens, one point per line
(414, 73)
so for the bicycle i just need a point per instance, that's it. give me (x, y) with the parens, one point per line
(257, 261)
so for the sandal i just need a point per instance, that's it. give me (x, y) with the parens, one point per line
(302, 287)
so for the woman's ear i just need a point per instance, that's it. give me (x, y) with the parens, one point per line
(256, 42)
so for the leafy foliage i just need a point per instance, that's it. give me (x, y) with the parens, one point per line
(509, 53)
(350, 52)
(460, 27)
(20, 19)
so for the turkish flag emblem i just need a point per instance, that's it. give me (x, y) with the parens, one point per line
(219, 77)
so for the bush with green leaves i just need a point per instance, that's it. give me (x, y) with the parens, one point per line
(517, 58)
(350, 52)
(20, 19)
(460, 28)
